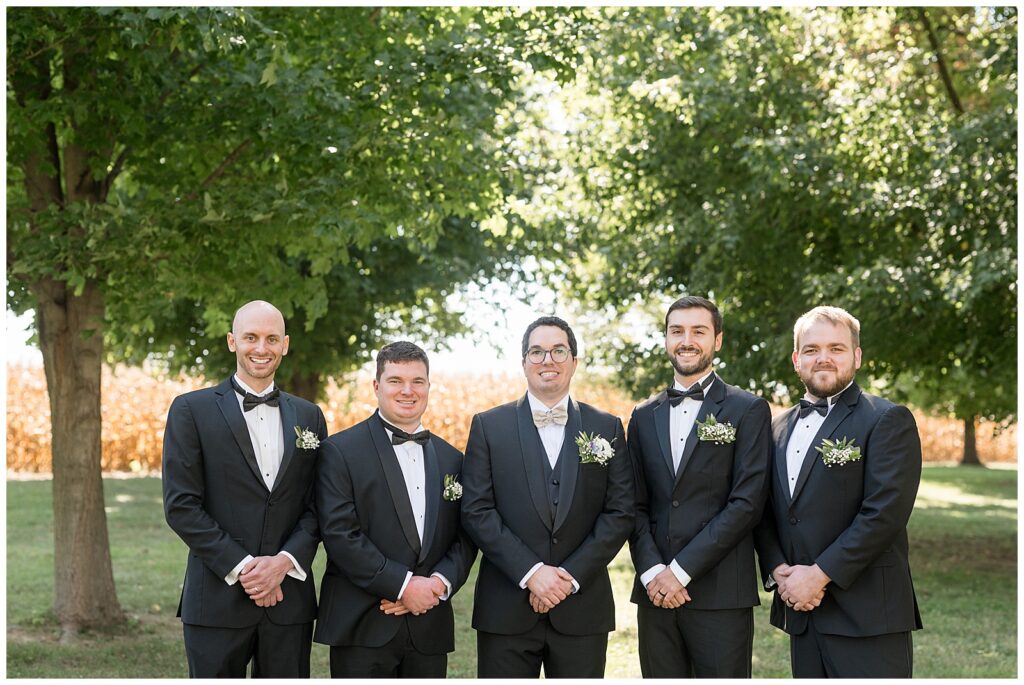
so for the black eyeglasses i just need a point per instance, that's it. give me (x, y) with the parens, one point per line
(536, 355)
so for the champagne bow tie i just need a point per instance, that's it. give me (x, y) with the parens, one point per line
(558, 416)
(821, 406)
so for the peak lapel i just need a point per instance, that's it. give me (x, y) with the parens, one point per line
(570, 458)
(396, 483)
(780, 443)
(228, 404)
(532, 450)
(662, 423)
(842, 408)
(712, 402)
(432, 486)
(288, 423)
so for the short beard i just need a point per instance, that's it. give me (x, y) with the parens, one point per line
(823, 391)
(700, 365)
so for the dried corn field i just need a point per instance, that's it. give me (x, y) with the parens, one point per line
(135, 404)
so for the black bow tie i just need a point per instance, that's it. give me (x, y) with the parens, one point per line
(250, 401)
(696, 392)
(806, 407)
(399, 436)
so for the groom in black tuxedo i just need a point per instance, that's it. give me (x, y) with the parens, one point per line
(699, 496)
(238, 467)
(388, 499)
(833, 541)
(548, 517)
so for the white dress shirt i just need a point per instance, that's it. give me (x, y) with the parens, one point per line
(411, 461)
(801, 437)
(551, 436)
(681, 420)
(267, 438)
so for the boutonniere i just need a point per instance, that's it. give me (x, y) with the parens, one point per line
(838, 453)
(713, 431)
(594, 449)
(307, 439)
(452, 488)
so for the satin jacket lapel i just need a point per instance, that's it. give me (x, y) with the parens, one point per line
(288, 423)
(532, 452)
(570, 458)
(228, 404)
(780, 442)
(662, 421)
(433, 487)
(712, 401)
(840, 411)
(396, 483)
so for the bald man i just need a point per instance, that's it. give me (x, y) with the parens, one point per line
(238, 466)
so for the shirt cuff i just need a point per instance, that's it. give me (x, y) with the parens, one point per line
(297, 573)
(448, 592)
(529, 574)
(408, 577)
(649, 574)
(683, 576)
(575, 585)
(232, 577)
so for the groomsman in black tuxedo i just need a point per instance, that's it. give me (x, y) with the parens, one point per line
(701, 451)
(549, 501)
(388, 496)
(833, 541)
(238, 467)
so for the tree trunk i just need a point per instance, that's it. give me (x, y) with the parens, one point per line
(71, 339)
(970, 444)
(305, 385)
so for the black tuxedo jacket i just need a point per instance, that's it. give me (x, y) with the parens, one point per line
(506, 511)
(371, 540)
(701, 516)
(851, 520)
(217, 502)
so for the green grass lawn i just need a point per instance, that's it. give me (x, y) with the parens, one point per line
(963, 538)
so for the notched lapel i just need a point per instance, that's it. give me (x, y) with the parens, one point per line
(711, 405)
(434, 485)
(842, 408)
(532, 450)
(228, 404)
(396, 483)
(288, 423)
(570, 458)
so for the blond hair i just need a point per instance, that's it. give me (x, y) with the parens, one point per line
(834, 315)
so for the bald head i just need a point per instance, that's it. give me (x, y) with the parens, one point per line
(258, 340)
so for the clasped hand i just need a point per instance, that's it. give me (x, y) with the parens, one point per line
(420, 596)
(261, 579)
(666, 591)
(801, 587)
(548, 586)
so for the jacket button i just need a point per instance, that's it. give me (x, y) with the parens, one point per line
(792, 520)
(554, 482)
(554, 541)
(556, 502)
(675, 503)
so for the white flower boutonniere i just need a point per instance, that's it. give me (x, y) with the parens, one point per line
(452, 488)
(838, 453)
(713, 431)
(594, 449)
(307, 439)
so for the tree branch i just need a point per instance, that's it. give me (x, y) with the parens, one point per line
(221, 168)
(375, 14)
(940, 61)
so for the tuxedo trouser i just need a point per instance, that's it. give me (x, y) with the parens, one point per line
(275, 651)
(815, 655)
(688, 643)
(522, 655)
(398, 658)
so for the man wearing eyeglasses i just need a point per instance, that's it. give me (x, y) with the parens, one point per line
(549, 501)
